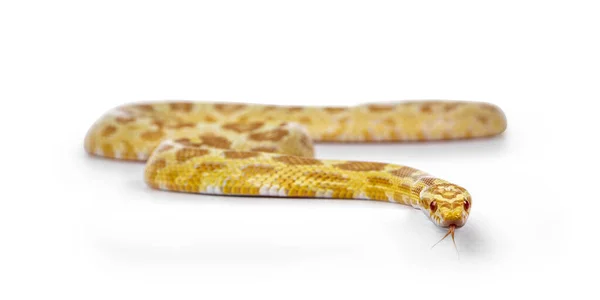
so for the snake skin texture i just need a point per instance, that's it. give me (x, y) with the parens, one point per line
(266, 150)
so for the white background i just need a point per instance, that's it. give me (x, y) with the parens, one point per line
(76, 227)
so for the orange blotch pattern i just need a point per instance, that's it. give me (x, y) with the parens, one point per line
(216, 141)
(257, 170)
(209, 167)
(240, 154)
(380, 181)
(181, 106)
(361, 166)
(296, 160)
(377, 108)
(186, 153)
(108, 130)
(265, 149)
(243, 127)
(271, 135)
(124, 120)
(227, 108)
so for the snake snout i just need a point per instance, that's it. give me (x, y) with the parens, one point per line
(456, 217)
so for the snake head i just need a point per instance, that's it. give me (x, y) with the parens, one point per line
(446, 204)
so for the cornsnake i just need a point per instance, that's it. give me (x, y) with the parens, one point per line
(267, 150)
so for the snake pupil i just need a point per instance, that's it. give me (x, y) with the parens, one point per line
(433, 206)
(467, 205)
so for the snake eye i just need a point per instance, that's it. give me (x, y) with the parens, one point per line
(433, 206)
(467, 204)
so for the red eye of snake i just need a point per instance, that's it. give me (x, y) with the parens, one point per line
(467, 205)
(433, 206)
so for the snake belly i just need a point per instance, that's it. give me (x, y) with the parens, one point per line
(266, 150)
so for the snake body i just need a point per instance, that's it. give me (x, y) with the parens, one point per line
(266, 150)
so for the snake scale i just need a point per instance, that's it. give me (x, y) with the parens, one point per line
(267, 150)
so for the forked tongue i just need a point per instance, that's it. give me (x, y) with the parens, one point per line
(450, 232)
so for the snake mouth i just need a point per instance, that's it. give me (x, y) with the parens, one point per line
(453, 223)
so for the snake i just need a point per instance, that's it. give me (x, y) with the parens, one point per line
(244, 149)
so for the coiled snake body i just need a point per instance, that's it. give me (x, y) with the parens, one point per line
(266, 150)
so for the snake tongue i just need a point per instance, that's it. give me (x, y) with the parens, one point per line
(451, 230)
